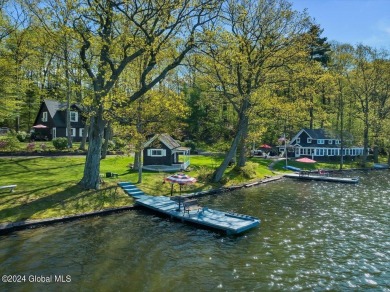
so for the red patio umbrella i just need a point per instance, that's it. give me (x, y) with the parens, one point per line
(181, 179)
(265, 146)
(39, 126)
(305, 160)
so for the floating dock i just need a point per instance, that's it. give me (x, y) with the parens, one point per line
(352, 180)
(231, 223)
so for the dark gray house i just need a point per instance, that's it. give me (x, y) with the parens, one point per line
(50, 122)
(163, 150)
(319, 143)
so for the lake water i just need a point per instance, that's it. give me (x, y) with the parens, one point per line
(313, 236)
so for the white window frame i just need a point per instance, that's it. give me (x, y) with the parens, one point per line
(74, 116)
(337, 142)
(330, 142)
(309, 140)
(44, 116)
(157, 152)
(298, 140)
(72, 130)
(81, 131)
(320, 141)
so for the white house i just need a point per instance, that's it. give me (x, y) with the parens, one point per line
(321, 143)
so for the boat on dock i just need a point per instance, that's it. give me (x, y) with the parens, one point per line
(323, 178)
(188, 211)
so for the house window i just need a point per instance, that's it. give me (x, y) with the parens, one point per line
(44, 117)
(81, 132)
(309, 140)
(74, 116)
(320, 141)
(156, 152)
(330, 142)
(298, 140)
(72, 132)
(337, 141)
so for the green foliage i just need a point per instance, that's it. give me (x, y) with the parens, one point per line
(120, 143)
(22, 136)
(204, 174)
(9, 142)
(249, 170)
(60, 143)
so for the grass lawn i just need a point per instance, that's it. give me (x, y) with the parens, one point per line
(48, 187)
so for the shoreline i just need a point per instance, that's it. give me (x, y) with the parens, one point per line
(9, 227)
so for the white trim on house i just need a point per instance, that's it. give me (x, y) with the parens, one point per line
(157, 152)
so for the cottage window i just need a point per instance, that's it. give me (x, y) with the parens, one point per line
(309, 140)
(330, 142)
(81, 132)
(74, 116)
(44, 117)
(72, 132)
(298, 140)
(320, 141)
(156, 152)
(337, 141)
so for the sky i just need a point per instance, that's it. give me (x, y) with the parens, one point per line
(351, 21)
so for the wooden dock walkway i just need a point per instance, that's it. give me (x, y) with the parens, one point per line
(352, 180)
(231, 223)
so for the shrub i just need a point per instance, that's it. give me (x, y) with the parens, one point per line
(204, 174)
(190, 144)
(249, 170)
(22, 136)
(9, 142)
(119, 143)
(60, 143)
(30, 147)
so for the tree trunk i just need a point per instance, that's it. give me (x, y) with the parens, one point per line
(365, 139)
(84, 138)
(225, 163)
(139, 163)
(137, 160)
(242, 146)
(107, 136)
(91, 178)
(376, 153)
(68, 94)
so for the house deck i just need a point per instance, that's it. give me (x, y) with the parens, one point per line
(231, 223)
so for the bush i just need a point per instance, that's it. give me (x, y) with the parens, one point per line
(190, 144)
(22, 136)
(60, 143)
(8, 142)
(249, 170)
(119, 143)
(205, 174)
(31, 147)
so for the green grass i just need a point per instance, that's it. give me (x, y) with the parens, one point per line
(48, 187)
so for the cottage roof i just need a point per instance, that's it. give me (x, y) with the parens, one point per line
(164, 138)
(53, 106)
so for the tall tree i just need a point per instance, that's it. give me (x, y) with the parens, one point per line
(363, 78)
(254, 40)
(115, 34)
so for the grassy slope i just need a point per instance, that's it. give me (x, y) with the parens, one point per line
(47, 187)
